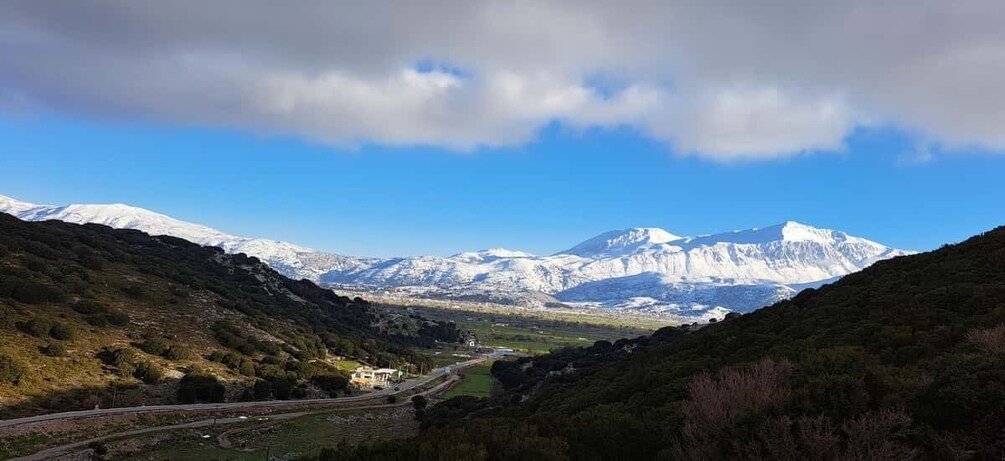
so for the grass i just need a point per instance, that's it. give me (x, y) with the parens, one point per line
(534, 333)
(21, 445)
(301, 436)
(201, 450)
(476, 382)
(347, 365)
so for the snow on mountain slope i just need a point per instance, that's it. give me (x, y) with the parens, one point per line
(646, 269)
(620, 242)
(280, 255)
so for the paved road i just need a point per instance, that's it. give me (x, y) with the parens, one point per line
(53, 452)
(407, 385)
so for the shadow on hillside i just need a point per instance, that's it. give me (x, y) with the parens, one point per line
(89, 397)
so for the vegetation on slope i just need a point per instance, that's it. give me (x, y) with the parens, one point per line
(90, 315)
(903, 360)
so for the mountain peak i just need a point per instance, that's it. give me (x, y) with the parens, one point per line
(621, 241)
(788, 231)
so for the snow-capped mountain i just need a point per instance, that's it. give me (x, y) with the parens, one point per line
(646, 269)
(281, 255)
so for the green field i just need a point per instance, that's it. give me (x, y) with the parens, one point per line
(284, 439)
(476, 382)
(529, 331)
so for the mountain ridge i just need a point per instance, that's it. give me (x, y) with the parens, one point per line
(769, 261)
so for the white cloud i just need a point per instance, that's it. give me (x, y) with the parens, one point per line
(733, 123)
(717, 78)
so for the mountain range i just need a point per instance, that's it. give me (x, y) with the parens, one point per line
(646, 270)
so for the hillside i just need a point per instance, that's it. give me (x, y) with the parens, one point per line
(903, 360)
(649, 270)
(89, 314)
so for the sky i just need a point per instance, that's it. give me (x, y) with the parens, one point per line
(372, 128)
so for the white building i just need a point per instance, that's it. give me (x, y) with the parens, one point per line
(367, 377)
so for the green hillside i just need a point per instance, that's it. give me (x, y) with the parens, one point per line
(904, 360)
(89, 315)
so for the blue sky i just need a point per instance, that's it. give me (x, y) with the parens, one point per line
(549, 194)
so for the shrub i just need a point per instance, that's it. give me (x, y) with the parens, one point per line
(11, 371)
(392, 399)
(54, 350)
(154, 346)
(135, 291)
(36, 327)
(246, 368)
(118, 318)
(282, 388)
(36, 293)
(419, 402)
(718, 403)
(332, 384)
(199, 386)
(148, 372)
(62, 331)
(99, 449)
(991, 340)
(262, 390)
(882, 435)
(89, 306)
(177, 352)
(122, 359)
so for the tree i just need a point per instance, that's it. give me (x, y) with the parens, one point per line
(332, 383)
(419, 402)
(262, 390)
(199, 386)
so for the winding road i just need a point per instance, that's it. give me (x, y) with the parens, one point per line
(405, 386)
(51, 452)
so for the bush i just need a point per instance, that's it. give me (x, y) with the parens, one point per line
(200, 387)
(62, 331)
(36, 327)
(11, 371)
(54, 350)
(148, 372)
(419, 402)
(135, 291)
(123, 359)
(154, 346)
(246, 368)
(331, 384)
(717, 403)
(392, 399)
(118, 318)
(991, 340)
(89, 306)
(36, 293)
(177, 352)
(262, 390)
